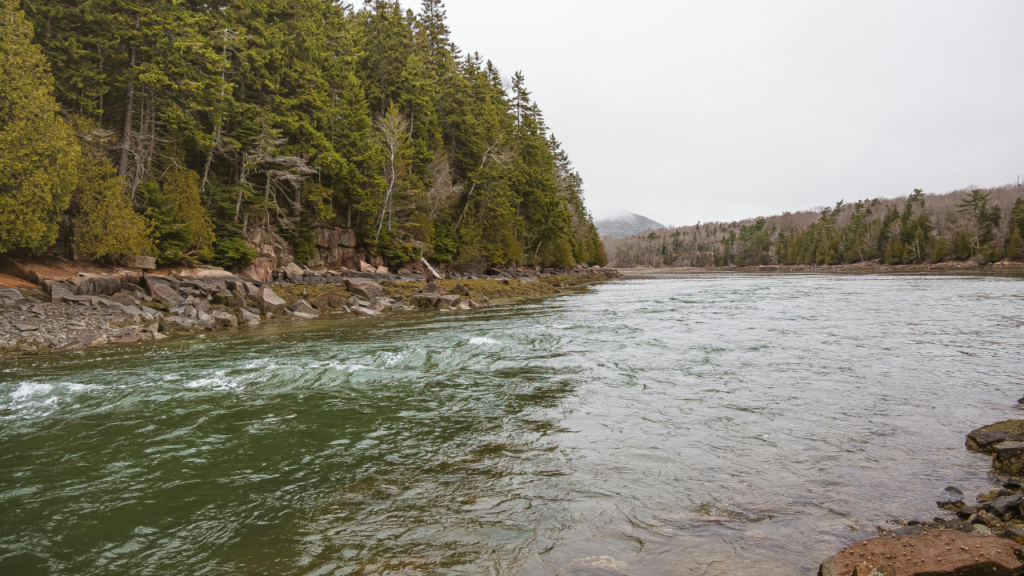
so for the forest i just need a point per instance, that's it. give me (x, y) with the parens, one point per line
(982, 225)
(192, 132)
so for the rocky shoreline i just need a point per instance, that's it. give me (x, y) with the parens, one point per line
(96, 307)
(984, 538)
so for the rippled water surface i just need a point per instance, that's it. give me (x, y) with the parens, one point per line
(676, 425)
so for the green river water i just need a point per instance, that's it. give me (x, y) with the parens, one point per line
(669, 425)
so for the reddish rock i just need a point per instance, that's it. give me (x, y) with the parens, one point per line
(261, 270)
(932, 553)
(327, 301)
(365, 288)
(329, 238)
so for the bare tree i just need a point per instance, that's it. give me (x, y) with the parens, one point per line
(391, 135)
(444, 191)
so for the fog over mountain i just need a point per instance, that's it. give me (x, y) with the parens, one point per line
(625, 224)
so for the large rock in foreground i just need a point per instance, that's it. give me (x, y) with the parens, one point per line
(932, 553)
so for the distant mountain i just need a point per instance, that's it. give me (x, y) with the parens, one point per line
(626, 224)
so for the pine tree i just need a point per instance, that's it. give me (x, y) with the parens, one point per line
(107, 225)
(941, 251)
(1015, 247)
(38, 151)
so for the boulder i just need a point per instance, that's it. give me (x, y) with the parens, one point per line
(1009, 458)
(176, 324)
(1001, 506)
(425, 300)
(305, 316)
(267, 301)
(932, 553)
(382, 270)
(983, 439)
(162, 291)
(369, 268)
(460, 290)
(363, 287)
(447, 302)
(293, 272)
(382, 304)
(97, 285)
(327, 301)
(302, 307)
(248, 318)
(59, 291)
(261, 270)
(224, 319)
(235, 302)
(125, 299)
(143, 262)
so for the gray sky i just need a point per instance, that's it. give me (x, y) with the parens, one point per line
(718, 110)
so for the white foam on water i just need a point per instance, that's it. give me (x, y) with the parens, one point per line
(482, 341)
(29, 389)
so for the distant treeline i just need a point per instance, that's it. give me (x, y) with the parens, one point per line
(983, 225)
(182, 130)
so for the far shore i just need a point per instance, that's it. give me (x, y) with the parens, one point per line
(1004, 268)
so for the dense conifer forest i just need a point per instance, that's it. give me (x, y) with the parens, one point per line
(969, 225)
(193, 132)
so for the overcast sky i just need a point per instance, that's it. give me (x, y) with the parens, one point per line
(719, 110)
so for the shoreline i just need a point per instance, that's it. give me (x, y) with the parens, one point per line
(91, 310)
(1002, 269)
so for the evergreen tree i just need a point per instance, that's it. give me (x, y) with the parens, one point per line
(1015, 247)
(106, 224)
(38, 152)
(941, 250)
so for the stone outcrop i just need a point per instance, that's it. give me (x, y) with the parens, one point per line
(141, 262)
(335, 249)
(365, 288)
(89, 308)
(931, 553)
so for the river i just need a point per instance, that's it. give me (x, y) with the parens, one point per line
(702, 424)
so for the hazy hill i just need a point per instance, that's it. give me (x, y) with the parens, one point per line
(862, 231)
(626, 224)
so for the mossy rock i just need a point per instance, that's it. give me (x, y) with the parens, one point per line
(985, 438)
